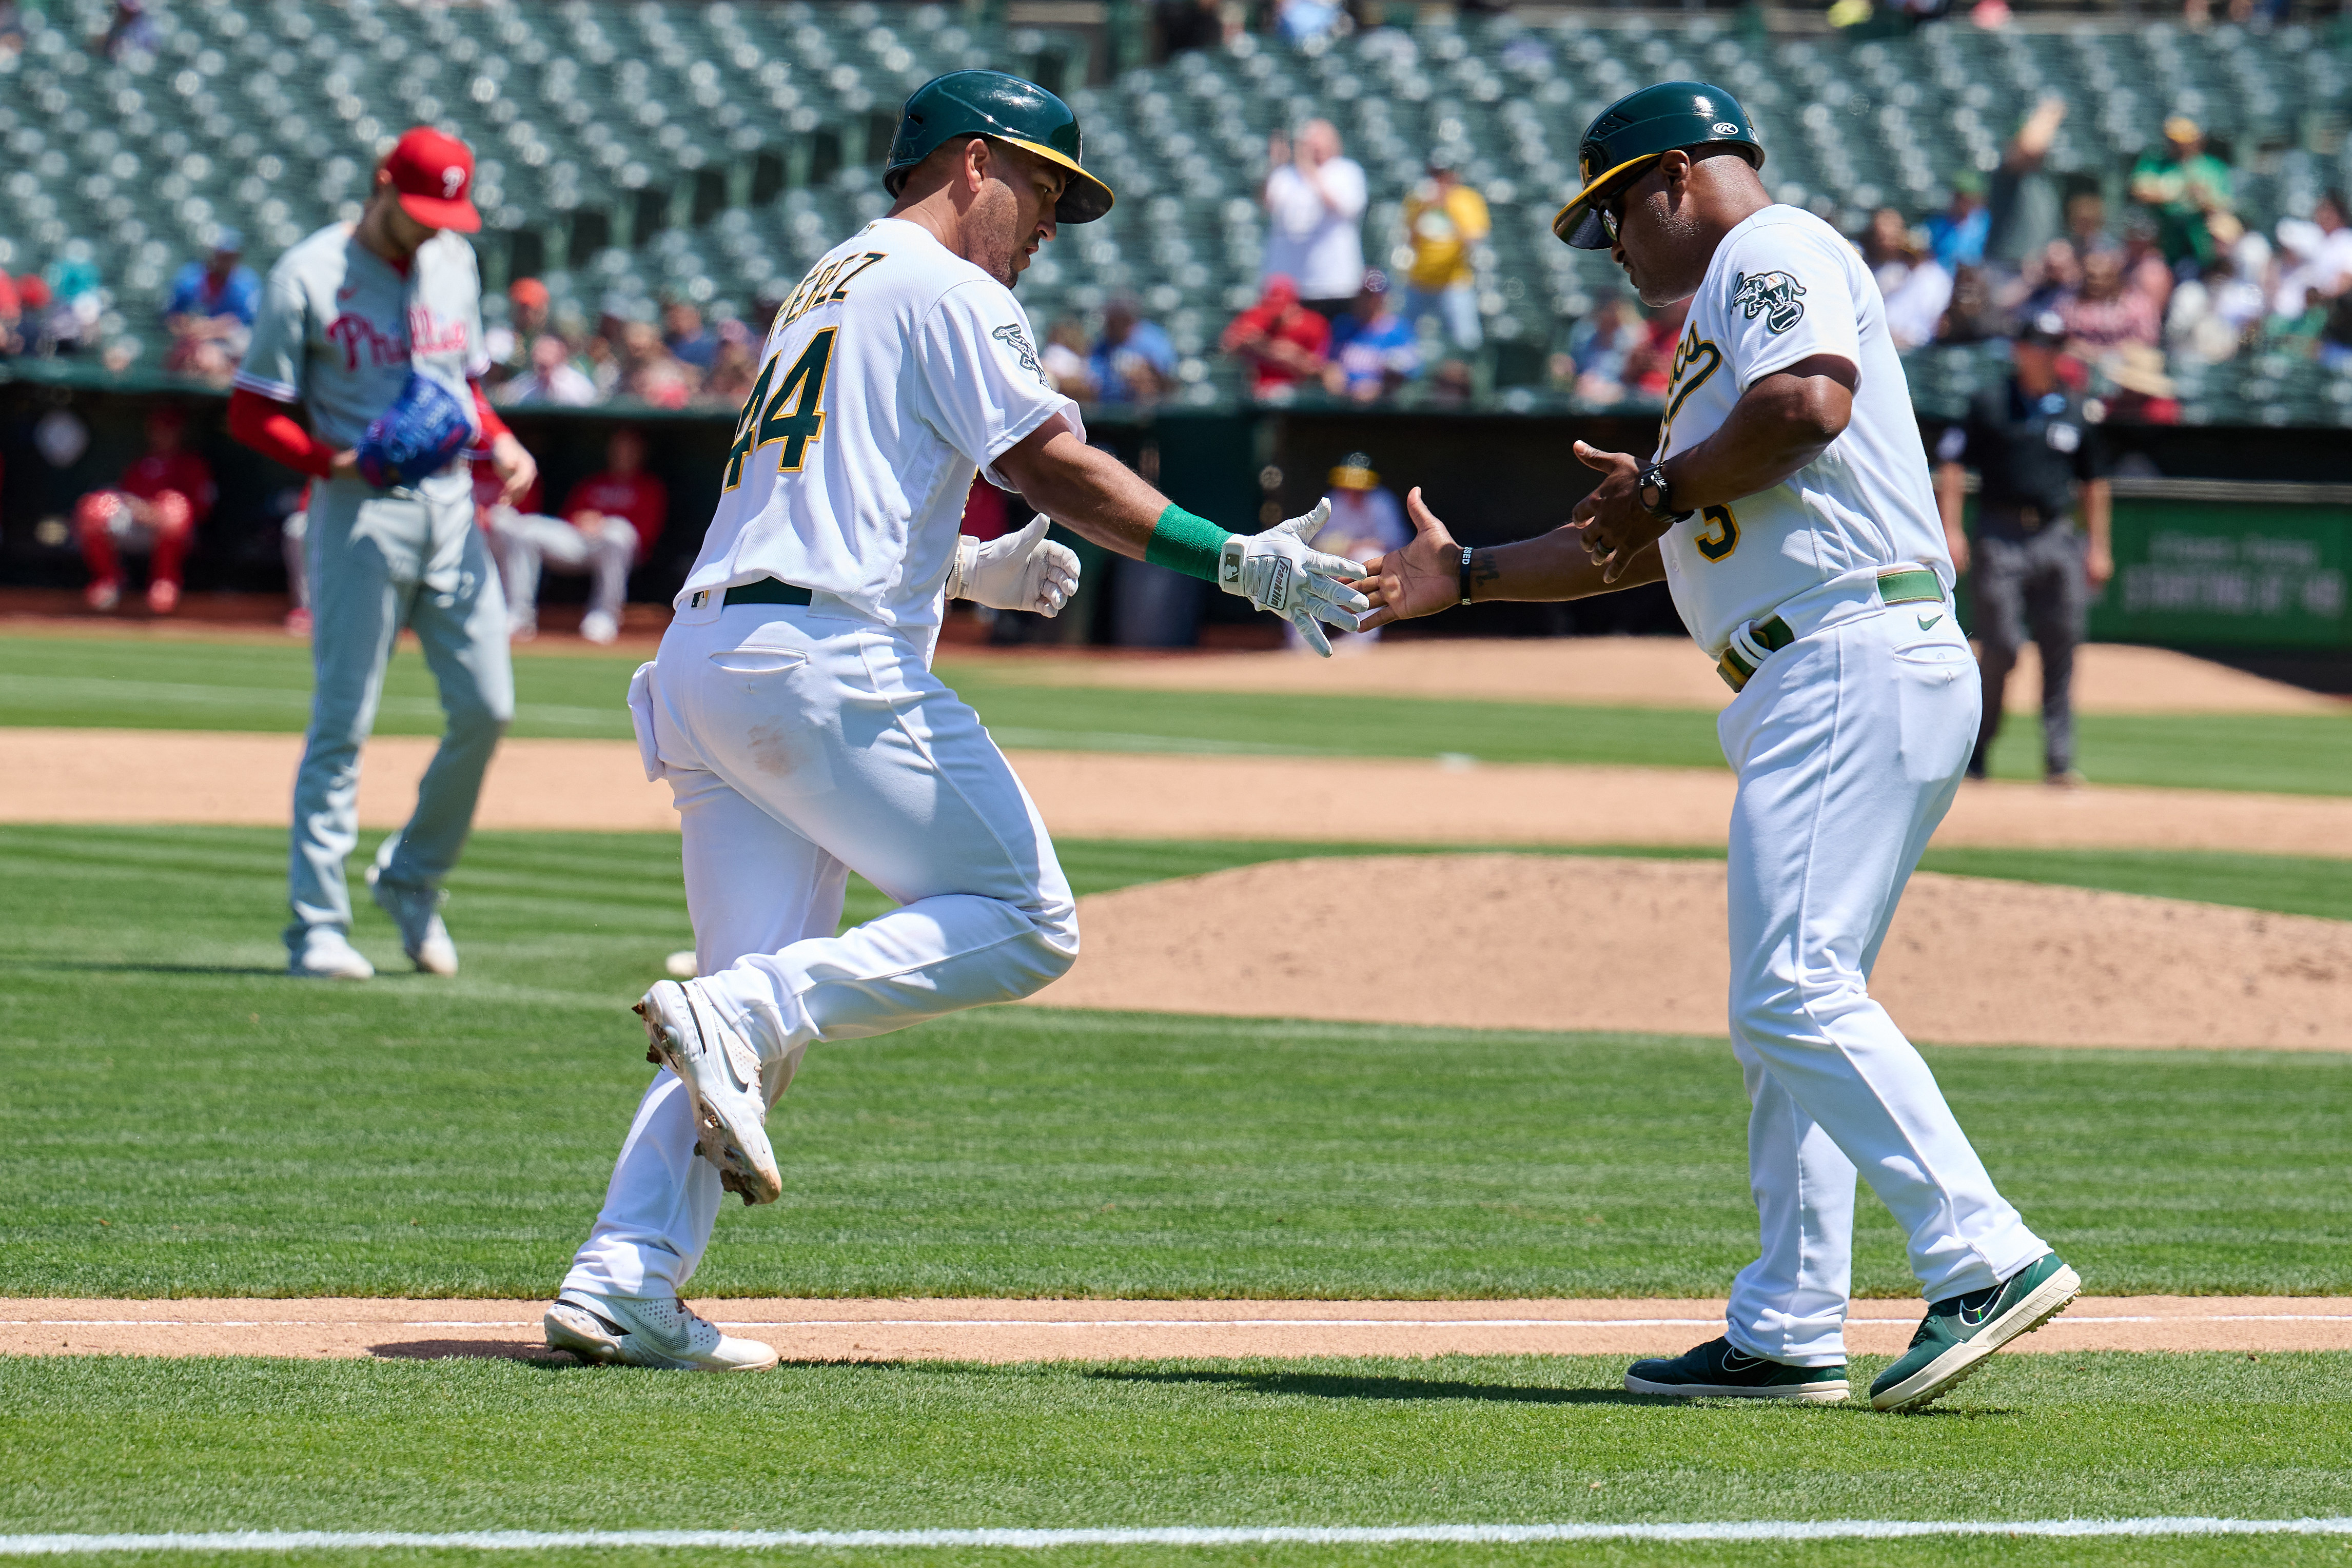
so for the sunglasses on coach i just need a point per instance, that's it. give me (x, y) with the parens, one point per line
(1609, 207)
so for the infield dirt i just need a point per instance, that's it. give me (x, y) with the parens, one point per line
(1029, 1330)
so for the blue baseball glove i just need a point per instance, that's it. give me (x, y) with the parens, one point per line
(422, 430)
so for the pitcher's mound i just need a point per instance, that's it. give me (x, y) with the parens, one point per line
(1531, 942)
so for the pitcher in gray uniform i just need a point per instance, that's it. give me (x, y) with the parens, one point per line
(345, 316)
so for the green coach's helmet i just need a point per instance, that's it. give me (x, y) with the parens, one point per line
(1642, 126)
(990, 103)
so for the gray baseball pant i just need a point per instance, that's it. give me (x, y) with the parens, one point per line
(376, 562)
(2036, 585)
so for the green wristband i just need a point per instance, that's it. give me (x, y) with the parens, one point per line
(1185, 544)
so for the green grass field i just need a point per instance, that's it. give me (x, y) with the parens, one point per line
(265, 686)
(176, 1117)
(109, 1445)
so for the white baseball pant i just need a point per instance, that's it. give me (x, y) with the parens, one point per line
(528, 542)
(800, 746)
(1849, 744)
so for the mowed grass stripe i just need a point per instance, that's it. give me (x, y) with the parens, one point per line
(178, 1118)
(100, 1446)
(1166, 1535)
(114, 682)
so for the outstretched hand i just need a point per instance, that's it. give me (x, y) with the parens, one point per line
(1420, 579)
(1278, 570)
(1616, 524)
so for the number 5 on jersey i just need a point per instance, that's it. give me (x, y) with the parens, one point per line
(791, 413)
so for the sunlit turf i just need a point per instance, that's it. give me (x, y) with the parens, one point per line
(177, 1118)
(264, 687)
(94, 1444)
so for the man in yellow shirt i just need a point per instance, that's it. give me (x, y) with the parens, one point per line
(1444, 220)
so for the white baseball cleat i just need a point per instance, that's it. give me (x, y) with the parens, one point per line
(597, 627)
(720, 1068)
(682, 965)
(417, 912)
(647, 1330)
(326, 953)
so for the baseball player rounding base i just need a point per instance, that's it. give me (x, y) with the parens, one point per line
(376, 331)
(792, 709)
(1789, 510)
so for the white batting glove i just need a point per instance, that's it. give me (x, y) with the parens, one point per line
(1277, 572)
(1024, 571)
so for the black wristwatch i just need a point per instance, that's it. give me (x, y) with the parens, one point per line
(1658, 495)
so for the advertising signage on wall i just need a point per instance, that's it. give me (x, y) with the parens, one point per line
(2267, 572)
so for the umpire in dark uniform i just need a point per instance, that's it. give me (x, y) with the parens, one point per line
(2038, 455)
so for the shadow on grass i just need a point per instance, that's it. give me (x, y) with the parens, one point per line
(480, 1349)
(1337, 1385)
(31, 964)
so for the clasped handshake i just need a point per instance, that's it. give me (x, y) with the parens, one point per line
(1280, 570)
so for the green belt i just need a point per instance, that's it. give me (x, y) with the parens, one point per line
(766, 591)
(1905, 585)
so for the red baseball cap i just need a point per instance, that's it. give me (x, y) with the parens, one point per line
(434, 176)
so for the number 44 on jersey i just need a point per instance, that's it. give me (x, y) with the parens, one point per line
(791, 411)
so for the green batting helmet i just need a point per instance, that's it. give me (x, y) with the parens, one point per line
(990, 103)
(1642, 126)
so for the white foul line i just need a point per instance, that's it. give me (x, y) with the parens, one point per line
(1177, 1535)
(2074, 1320)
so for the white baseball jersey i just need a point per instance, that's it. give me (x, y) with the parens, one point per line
(340, 328)
(1784, 286)
(892, 372)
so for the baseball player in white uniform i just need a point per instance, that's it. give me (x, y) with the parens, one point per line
(792, 709)
(346, 317)
(1789, 510)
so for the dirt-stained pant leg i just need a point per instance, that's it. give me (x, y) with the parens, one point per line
(798, 747)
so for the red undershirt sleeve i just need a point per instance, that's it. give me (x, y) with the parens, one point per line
(488, 419)
(270, 428)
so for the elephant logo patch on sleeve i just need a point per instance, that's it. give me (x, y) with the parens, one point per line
(1775, 296)
(1013, 338)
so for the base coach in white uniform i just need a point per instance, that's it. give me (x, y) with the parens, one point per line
(1789, 510)
(793, 711)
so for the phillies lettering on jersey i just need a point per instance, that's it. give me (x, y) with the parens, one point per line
(1783, 287)
(893, 373)
(340, 328)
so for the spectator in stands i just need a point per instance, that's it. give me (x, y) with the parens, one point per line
(2086, 223)
(155, 508)
(550, 378)
(649, 372)
(2187, 190)
(73, 300)
(732, 369)
(509, 342)
(1366, 523)
(1373, 350)
(1915, 306)
(12, 318)
(2318, 253)
(1972, 317)
(2048, 276)
(1887, 251)
(209, 311)
(1314, 203)
(611, 521)
(1133, 362)
(2335, 347)
(2103, 314)
(1450, 385)
(1956, 236)
(1298, 21)
(1651, 367)
(12, 29)
(1189, 24)
(1281, 340)
(2143, 393)
(1065, 358)
(1446, 224)
(1597, 349)
(2022, 203)
(129, 32)
(686, 337)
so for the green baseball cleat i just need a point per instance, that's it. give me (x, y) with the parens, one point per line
(1959, 1331)
(1716, 1371)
